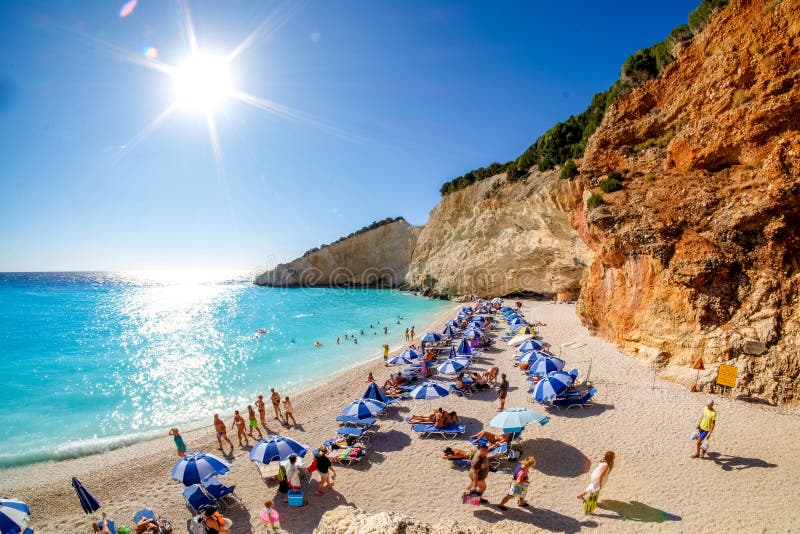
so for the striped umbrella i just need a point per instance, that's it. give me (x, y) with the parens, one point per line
(449, 331)
(451, 323)
(551, 386)
(276, 448)
(14, 517)
(514, 419)
(431, 337)
(545, 364)
(464, 347)
(88, 502)
(411, 354)
(374, 392)
(193, 468)
(450, 367)
(471, 333)
(429, 390)
(400, 360)
(531, 344)
(529, 357)
(364, 408)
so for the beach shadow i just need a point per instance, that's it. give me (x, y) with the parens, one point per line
(390, 441)
(637, 511)
(730, 463)
(556, 458)
(307, 517)
(240, 517)
(538, 517)
(589, 410)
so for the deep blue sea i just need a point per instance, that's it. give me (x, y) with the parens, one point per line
(93, 361)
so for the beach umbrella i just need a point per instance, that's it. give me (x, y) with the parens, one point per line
(401, 359)
(551, 386)
(497, 300)
(545, 364)
(193, 468)
(364, 408)
(473, 333)
(451, 323)
(276, 448)
(14, 517)
(452, 353)
(450, 367)
(411, 354)
(431, 337)
(464, 348)
(88, 502)
(374, 392)
(515, 419)
(478, 320)
(482, 311)
(518, 339)
(526, 330)
(528, 357)
(506, 309)
(466, 309)
(449, 331)
(516, 321)
(531, 344)
(429, 390)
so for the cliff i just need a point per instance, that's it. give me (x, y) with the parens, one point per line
(498, 238)
(376, 257)
(697, 255)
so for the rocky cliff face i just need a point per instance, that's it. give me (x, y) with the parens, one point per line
(376, 257)
(498, 238)
(697, 256)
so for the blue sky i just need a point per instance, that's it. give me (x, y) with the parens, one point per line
(388, 100)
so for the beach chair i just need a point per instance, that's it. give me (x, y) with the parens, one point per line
(219, 491)
(355, 435)
(575, 400)
(348, 455)
(466, 393)
(574, 374)
(111, 526)
(449, 431)
(355, 421)
(197, 498)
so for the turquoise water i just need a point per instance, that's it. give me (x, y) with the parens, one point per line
(93, 361)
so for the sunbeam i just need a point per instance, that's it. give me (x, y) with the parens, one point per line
(215, 147)
(145, 132)
(188, 25)
(270, 24)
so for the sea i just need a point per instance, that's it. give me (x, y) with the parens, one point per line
(94, 361)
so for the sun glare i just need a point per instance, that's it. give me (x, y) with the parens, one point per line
(202, 83)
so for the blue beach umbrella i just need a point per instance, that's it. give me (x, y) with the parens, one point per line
(464, 347)
(528, 357)
(276, 448)
(374, 392)
(411, 354)
(545, 364)
(429, 390)
(513, 419)
(506, 309)
(551, 386)
(14, 517)
(364, 408)
(193, 468)
(531, 344)
(517, 321)
(431, 337)
(466, 309)
(449, 331)
(473, 333)
(451, 323)
(88, 502)
(450, 367)
(400, 359)
(482, 311)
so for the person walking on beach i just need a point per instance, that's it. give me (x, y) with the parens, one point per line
(176, 436)
(412, 333)
(385, 355)
(478, 472)
(502, 391)
(596, 482)
(276, 403)
(326, 470)
(222, 432)
(239, 424)
(408, 337)
(253, 422)
(262, 412)
(288, 411)
(704, 429)
(519, 484)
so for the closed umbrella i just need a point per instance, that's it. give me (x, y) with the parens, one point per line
(429, 390)
(87, 500)
(449, 331)
(464, 348)
(531, 344)
(276, 448)
(374, 392)
(551, 386)
(515, 419)
(14, 517)
(193, 468)
(364, 408)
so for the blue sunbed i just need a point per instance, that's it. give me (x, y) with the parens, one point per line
(449, 432)
(579, 402)
(217, 490)
(355, 421)
(196, 498)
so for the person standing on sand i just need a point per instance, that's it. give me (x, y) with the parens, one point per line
(326, 470)
(253, 422)
(222, 432)
(288, 411)
(385, 355)
(262, 412)
(408, 337)
(412, 333)
(478, 472)
(502, 391)
(704, 429)
(276, 403)
(519, 484)
(176, 436)
(239, 424)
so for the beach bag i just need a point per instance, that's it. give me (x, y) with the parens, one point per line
(590, 504)
(704, 445)
(471, 498)
(281, 476)
(312, 466)
(694, 435)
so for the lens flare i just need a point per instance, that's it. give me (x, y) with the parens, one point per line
(128, 8)
(151, 52)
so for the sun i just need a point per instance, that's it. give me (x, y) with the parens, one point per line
(202, 82)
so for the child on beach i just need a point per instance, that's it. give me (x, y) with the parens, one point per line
(253, 422)
(288, 411)
(519, 484)
(176, 436)
(270, 516)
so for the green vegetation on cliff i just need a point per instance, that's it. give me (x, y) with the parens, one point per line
(567, 140)
(375, 224)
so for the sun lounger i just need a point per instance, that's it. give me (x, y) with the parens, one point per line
(575, 401)
(449, 432)
(355, 421)
(112, 527)
(219, 491)
(462, 392)
(348, 455)
(355, 435)
(196, 498)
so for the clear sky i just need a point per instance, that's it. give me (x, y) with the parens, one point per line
(380, 102)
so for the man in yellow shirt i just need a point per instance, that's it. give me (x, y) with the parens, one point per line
(704, 428)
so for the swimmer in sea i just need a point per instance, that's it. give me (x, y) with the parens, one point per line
(337, 340)
(362, 332)
(317, 345)
(222, 433)
(355, 341)
(385, 329)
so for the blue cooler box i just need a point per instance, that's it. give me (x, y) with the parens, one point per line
(295, 498)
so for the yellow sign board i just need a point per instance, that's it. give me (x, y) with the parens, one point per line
(727, 375)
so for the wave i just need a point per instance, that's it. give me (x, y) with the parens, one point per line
(301, 315)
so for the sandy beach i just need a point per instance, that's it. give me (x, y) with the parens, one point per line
(744, 486)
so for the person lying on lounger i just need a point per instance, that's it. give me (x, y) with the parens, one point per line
(457, 454)
(491, 438)
(430, 419)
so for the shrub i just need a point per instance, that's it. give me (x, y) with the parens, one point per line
(569, 170)
(515, 174)
(609, 185)
(594, 201)
(614, 175)
(700, 16)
